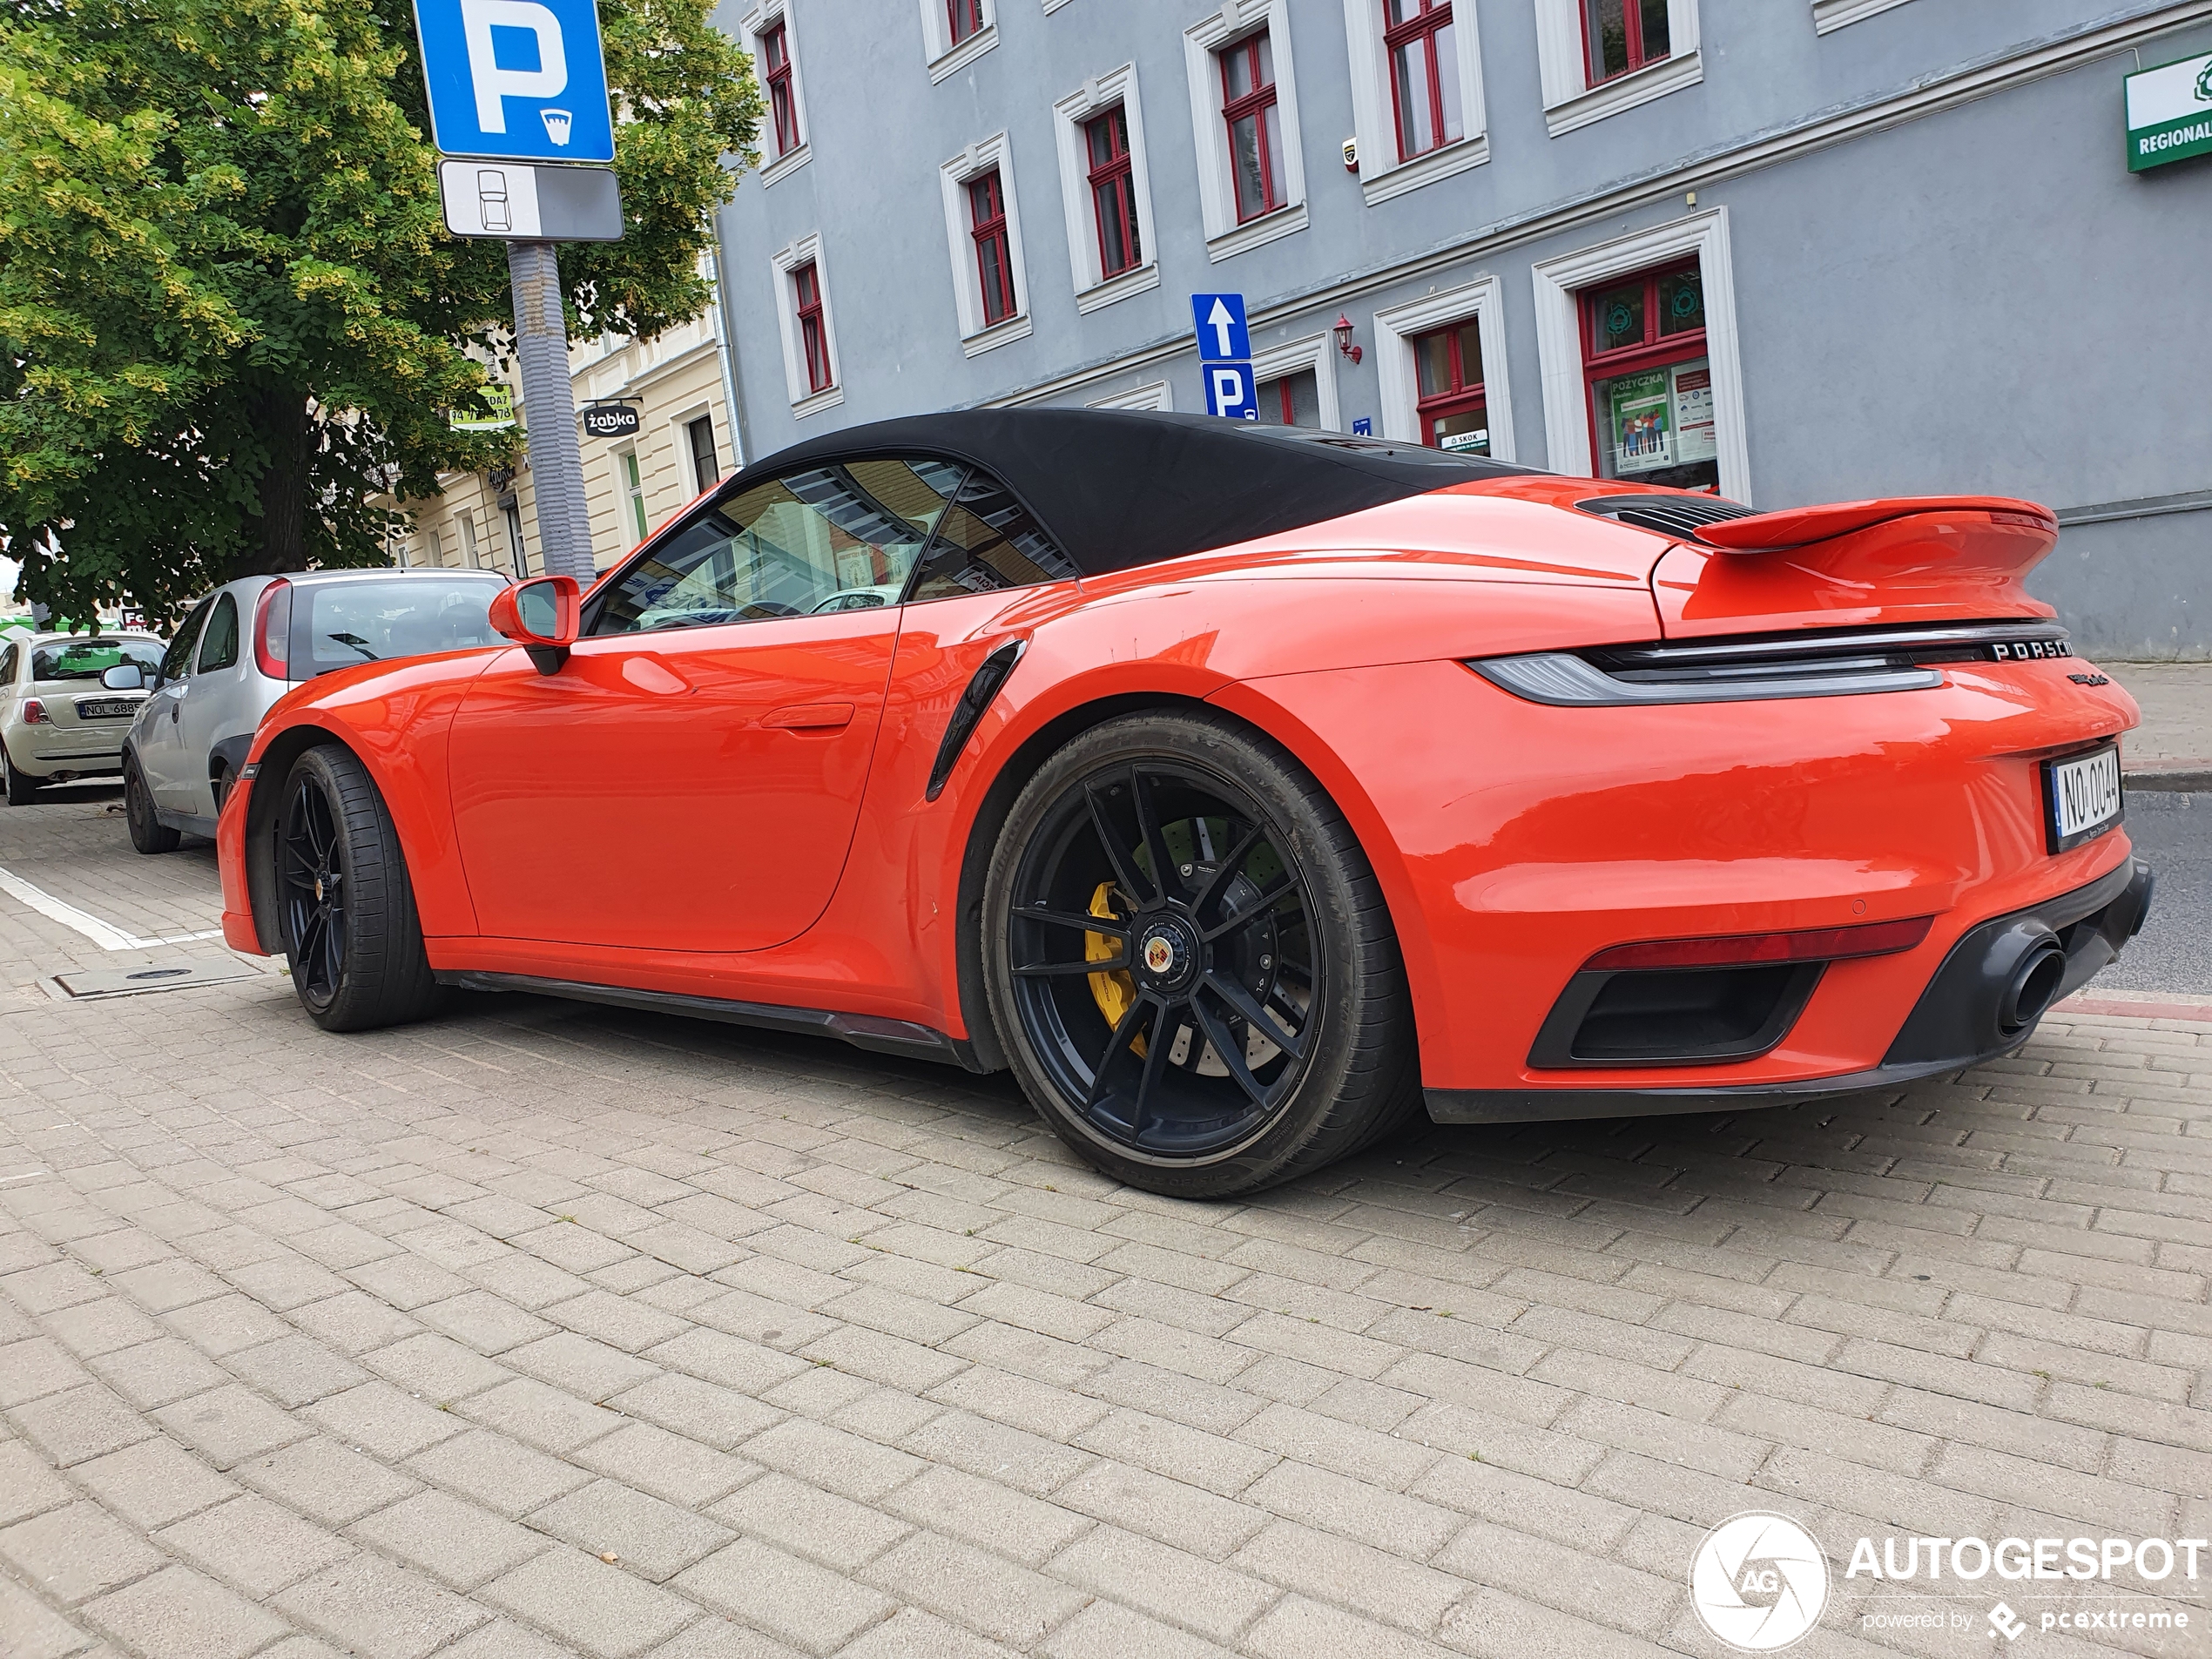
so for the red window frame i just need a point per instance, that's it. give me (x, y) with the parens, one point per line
(1113, 188)
(775, 53)
(814, 336)
(1433, 17)
(966, 17)
(1632, 33)
(994, 247)
(1654, 350)
(1254, 106)
(1456, 399)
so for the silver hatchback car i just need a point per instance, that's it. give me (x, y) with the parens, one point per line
(58, 718)
(247, 644)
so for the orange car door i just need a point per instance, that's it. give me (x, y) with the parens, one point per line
(691, 777)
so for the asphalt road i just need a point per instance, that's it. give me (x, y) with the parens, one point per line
(2174, 952)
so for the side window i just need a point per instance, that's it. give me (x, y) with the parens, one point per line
(988, 541)
(837, 538)
(177, 664)
(220, 648)
(7, 666)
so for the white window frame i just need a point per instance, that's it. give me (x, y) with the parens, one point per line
(1569, 99)
(953, 175)
(680, 436)
(1559, 339)
(633, 513)
(1382, 175)
(1202, 42)
(1396, 328)
(1153, 395)
(750, 29)
(946, 58)
(470, 549)
(1835, 13)
(1316, 352)
(1093, 289)
(782, 263)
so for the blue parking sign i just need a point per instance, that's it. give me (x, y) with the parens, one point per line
(1231, 391)
(516, 80)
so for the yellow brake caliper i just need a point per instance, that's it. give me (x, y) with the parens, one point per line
(1114, 991)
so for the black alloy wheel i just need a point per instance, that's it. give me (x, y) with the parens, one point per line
(1193, 963)
(345, 910)
(148, 832)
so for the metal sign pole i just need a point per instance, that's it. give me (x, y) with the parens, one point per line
(549, 412)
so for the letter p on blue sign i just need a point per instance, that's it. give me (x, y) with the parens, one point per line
(516, 80)
(1231, 391)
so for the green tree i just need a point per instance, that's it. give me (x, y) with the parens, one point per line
(229, 309)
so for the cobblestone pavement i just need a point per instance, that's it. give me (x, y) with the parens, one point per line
(548, 1329)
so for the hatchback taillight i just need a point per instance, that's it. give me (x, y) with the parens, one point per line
(34, 712)
(272, 630)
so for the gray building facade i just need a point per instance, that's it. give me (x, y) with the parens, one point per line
(1795, 250)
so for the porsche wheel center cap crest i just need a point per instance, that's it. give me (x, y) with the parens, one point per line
(1167, 953)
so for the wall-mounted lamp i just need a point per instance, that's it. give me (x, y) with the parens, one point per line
(1344, 338)
(1352, 155)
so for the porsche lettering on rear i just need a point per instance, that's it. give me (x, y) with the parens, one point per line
(1244, 791)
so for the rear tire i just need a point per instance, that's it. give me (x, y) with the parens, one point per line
(345, 910)
(1250, 1022)
(148, 832)
(22, 789)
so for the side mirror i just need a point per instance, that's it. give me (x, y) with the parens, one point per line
(541, 616)
(125, 677)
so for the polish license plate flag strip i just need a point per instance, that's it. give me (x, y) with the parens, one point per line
(2085, 797)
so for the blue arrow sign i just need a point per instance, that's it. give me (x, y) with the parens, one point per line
(1231, 391)
(516, 80)
(1223, 337)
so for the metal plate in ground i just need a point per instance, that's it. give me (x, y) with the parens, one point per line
(153, 976)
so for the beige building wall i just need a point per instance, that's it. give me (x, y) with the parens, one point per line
(674, 382)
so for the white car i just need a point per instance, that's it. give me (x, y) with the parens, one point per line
(59, 720)
(247, 644)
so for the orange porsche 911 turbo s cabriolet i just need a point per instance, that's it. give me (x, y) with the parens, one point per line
(1245, 790)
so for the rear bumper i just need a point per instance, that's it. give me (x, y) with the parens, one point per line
(1956, 1023)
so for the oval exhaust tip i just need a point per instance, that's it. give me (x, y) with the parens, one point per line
(2033, 988)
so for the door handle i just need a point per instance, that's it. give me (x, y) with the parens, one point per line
(810, 716)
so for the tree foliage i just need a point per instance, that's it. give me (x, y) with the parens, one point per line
(229, 310)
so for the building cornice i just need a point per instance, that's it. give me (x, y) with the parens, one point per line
(2016, 65)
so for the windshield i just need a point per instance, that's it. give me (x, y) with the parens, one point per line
(376, 621)
(87, 659)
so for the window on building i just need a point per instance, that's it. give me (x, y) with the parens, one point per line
(515, 546)
(1447, 373)
(1295, 400)
(993, 249)
(1113, 192)
(967, 16)
(1248, 107)
(1650, 381)
(469, 548)
(1622, 35)
(783, 102)
(437, 548)
(1423, 74)
(813, 334)
(706, 467)
(633, 494)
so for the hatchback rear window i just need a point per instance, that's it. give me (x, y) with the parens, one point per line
(87, 659)
(346, 622)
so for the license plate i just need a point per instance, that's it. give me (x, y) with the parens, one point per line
(112, 709)
(2081, 796)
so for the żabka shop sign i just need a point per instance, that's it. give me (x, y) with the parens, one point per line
(2170, 113)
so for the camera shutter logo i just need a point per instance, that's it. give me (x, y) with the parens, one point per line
(1759, 1581)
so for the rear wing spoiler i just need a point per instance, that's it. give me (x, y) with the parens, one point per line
(1799, 527)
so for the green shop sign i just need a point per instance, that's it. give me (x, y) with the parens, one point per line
(2170, 113)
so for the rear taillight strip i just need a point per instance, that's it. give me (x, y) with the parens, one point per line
(1567, 681)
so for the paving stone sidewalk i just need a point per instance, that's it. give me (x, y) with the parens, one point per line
(542, 1329)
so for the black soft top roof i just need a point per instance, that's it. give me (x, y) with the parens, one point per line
(1119, 488)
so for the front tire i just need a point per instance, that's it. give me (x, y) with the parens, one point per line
(22, 789)
(345, 910)
(148, 832)
(1191, 962)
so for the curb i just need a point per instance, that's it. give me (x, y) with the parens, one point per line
(2148, 1005)
(2169, 776)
